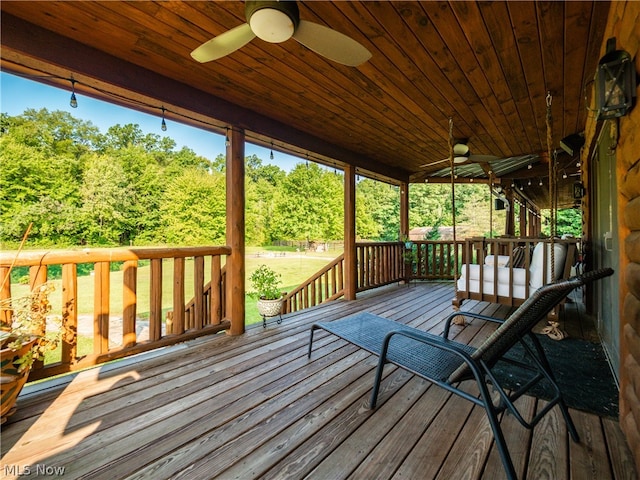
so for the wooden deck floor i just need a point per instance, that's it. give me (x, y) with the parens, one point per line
(254, 406)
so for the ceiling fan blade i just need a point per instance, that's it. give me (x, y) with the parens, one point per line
(331, 44)
(456, 160)
(483, 158)
(224, 44)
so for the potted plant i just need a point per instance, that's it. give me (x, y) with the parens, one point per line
(22, 342)
(266, 288)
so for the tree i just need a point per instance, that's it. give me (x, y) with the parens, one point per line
(42, 164)
(262, 184)
(106, 201)
(193, 209)
(310, 206)
(377, 210)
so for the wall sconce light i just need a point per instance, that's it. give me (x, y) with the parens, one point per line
(615, 83)
(578, 190)
(572, 143)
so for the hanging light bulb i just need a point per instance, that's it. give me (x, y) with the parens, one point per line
(540, 182)
(73, 102)
(163, 125)
(271, 153)
(564, 174)
(513, 184)
(530, 166)
(578, 164)
(227, 142)
(529, 182)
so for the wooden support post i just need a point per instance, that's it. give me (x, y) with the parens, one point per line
(404, 210)
(404, 229)
(523, 220)
(235, 231)
(350, 272)
(532, 230)
(510, 227)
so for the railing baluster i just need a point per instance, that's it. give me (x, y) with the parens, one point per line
(101, 297)
(215, 300)
(129, 303)
(155, 300)
(178, 296)
(198, 292)
(69, 313)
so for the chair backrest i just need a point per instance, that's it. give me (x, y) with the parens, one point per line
(525, 317)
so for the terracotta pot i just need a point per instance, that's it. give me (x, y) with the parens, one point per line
(269, 308)
(12, 381)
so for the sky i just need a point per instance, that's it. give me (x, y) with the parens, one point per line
(18, 94)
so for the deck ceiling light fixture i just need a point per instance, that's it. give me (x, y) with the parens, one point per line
(273, 22)
(73, 102)
(615, 83)
(461, 153)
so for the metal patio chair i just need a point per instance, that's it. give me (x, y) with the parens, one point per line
(447, 363)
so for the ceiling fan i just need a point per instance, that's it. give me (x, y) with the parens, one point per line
(276, 22)
(462, 155)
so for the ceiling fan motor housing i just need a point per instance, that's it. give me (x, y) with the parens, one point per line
(272, 21)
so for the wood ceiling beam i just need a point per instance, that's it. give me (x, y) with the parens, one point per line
(27, 45)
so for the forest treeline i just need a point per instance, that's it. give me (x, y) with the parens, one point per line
(78, 186)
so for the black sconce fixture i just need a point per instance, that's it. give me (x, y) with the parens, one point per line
(499, 204)
(572, 143)
(578, 190)
(615, 83)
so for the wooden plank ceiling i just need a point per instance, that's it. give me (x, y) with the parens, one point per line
(487, 66)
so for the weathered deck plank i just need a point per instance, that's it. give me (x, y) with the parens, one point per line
(255, 406)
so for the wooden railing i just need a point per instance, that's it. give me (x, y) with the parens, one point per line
(432, 259)
(379, 264)
(116, 338)
(325, 285)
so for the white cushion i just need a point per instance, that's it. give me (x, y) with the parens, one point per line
(536, 267)
(502, 260)
(519, 274)
(519, 291)
(519, 280)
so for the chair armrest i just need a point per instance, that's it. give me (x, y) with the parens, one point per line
(447, 324)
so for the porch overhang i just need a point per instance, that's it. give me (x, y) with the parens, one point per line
(487, 66)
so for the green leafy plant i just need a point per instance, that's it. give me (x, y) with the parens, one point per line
(28, 316)
(265, 283)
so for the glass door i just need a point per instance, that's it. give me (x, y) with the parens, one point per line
(605, 243)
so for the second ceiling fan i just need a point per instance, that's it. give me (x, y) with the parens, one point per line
(276, 22)
(462, 155)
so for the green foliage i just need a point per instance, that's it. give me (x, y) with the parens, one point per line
(309, 206)
(193, 209)
(569, 222)
(125, 187)
(265, 283)
(377, 211)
